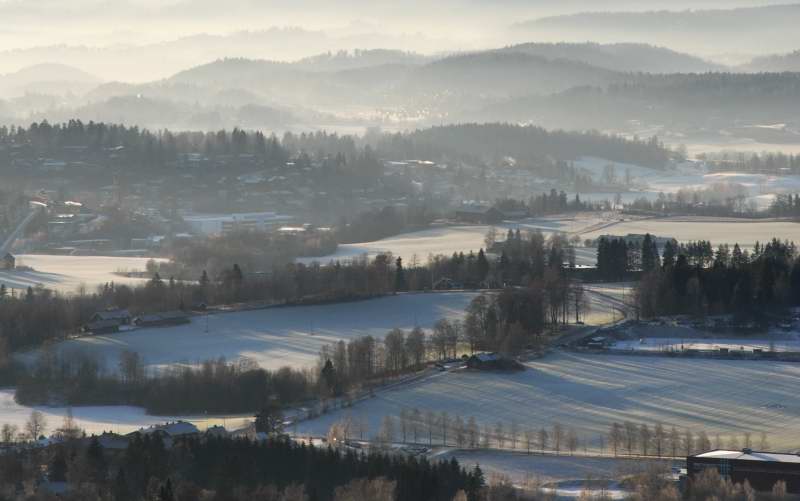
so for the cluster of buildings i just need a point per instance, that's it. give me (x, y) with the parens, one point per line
(762, 470)
(110, 321)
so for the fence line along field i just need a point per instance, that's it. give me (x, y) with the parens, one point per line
(272, 337)
(590, 392)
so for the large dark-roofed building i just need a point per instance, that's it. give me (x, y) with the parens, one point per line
(761, 469)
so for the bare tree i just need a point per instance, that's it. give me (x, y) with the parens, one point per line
(659, 435)
(747, 440)
(460, 432)
(416, 419)
(364, 489)
(528, 434)
(674, 441)
(615, 435)
(430, 424)
(763, 442)
(630, 436)
(702, 443)
(404, 424)
(472, 432)
(644, 438)
(514, 433)
(543, 439)
(558, 437)
(499, 435)
(8, 433)
(69, 429)
(131, 367)
(486, 437)
(386, 433)
(36, 425)
(688, 442)
(444, 422)
(572, 440)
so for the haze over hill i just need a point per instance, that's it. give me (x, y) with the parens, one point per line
(748, 29)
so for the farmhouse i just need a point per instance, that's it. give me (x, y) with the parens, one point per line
(9, 262)
(479, 214)
(492, 362)
(761, 469)
(102, 327)
(447, 284)
(107, 322)
(163, 319)
(172, 430)
(122, 317)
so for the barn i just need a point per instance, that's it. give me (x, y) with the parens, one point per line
(761, 469)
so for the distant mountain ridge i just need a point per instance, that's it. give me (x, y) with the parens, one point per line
(52, 78)
(625, 57)
(771, 28)
(774, 63)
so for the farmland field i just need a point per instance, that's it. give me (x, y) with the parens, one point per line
(746, 232)
(449, 239)
(589, 392)
(273, 337)
(67, 273)
(97, 419)
(563, 474)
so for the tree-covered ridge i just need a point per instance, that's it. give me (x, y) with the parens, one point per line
(475, 140)
(215, 468)
(143, 146)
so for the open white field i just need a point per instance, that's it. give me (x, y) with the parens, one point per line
(67, 273)
(564, 475)
(97, 419)
(746, 232)
(589, 392)
(760, 189)
(730, 344)
(522, 467)
(273, 337)
(446, 240)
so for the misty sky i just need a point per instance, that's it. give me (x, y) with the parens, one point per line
(30, 23)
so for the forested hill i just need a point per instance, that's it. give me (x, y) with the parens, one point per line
(624, 57)
(483, 141)
(139, 147)
(774, 63)
(507, 73)
(748, 29)
(681, 100)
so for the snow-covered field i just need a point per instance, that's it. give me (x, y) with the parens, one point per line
(273, 337)
(97, 419)
(648, 183)
(734, 344)
(446, 240)
(746, 232)
(522, 467)
(589, 392)
(67, 273)
(563, 474)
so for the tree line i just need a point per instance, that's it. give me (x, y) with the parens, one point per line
(694, 279)
(217, 468)
(528, 145)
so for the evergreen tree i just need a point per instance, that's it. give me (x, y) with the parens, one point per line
(399, 276)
